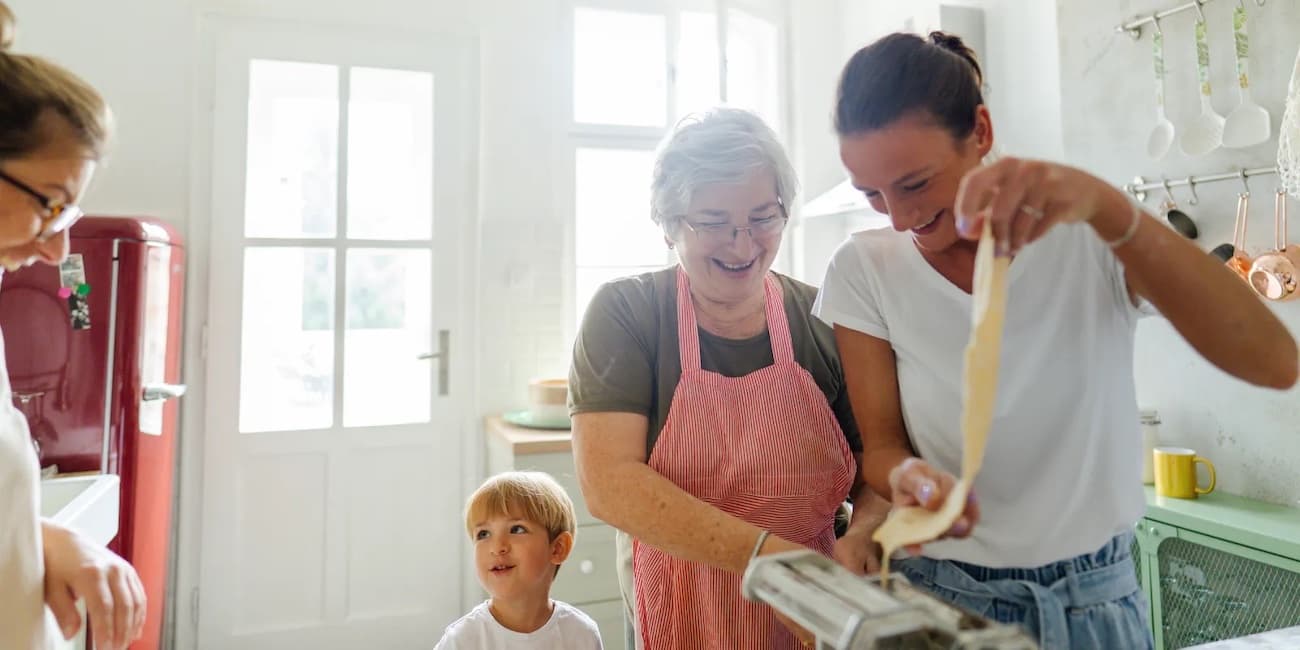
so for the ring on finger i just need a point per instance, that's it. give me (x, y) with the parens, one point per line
(1035, 213)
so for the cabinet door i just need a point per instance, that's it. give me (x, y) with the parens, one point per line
(1210, 589)
(609, 618)
(591, 572)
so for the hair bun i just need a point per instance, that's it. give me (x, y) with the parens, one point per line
(954, 44)
(8, 27)
(948, 41)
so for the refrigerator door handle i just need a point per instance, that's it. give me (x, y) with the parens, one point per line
(153, 392)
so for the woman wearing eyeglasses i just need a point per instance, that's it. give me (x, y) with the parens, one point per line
(53, 128)
(710, 419)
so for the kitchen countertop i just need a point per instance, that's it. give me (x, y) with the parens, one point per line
(523, 440)
(1266, 526)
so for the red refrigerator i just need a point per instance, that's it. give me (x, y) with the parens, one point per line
(94, 351)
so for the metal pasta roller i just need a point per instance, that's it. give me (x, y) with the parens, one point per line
(848, 612)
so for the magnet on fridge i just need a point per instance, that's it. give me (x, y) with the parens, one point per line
(83, 289)
(65, 292)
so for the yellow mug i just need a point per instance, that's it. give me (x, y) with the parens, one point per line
(1175, 470)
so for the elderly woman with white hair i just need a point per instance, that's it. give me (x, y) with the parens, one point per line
(710, 418)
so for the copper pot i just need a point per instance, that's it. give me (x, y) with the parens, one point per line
(1274, 275)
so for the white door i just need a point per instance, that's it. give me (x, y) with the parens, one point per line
(342, 194)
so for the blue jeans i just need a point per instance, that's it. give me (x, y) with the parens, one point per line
(1091, 601)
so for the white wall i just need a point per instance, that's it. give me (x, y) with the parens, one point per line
(1021, 67)
(1252, 435)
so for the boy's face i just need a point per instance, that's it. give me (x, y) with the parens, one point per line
(515, 557)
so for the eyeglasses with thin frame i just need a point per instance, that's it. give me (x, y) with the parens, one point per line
(56, 216)
(721, 234)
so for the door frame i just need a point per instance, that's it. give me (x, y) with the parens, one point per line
(184, 606)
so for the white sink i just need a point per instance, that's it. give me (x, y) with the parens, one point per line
(86, 504)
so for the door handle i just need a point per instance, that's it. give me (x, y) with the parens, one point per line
(24, 398)
(443, 356)
(155, 392)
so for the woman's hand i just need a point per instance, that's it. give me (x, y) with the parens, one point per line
(857, 552)
(1025, 198)
(915, 482)
(77, 568)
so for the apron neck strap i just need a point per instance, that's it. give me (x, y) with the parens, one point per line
(688, 337)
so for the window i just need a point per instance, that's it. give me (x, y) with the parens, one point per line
(635, 74)
(309, 252)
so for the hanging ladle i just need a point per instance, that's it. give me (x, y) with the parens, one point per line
(1176, 217)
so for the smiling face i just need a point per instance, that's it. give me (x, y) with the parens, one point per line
(911, 170)
(515, 557)
(726, 266)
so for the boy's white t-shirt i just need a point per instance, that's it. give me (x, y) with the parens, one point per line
(1062, 470)
(568, 629)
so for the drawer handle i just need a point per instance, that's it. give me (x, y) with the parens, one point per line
(586, 567)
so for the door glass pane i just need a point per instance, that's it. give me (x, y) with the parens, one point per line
(753, 73)
(613, 209)
(388, 326)
(697, 62)
(620, 68)
(286, 373)
(291, 188)
(390, 154)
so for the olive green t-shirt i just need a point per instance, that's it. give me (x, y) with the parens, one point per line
(626, 357)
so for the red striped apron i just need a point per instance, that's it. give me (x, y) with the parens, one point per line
(764, 447)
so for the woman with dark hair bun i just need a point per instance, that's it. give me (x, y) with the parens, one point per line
(1047, 544)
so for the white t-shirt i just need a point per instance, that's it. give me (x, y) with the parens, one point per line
(23, 621)
(1062, 470)
(568, 629)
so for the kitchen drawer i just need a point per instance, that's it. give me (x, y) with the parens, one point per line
(609, 618)
(590, 574)
(559, 466)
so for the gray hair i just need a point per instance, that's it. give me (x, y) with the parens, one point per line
(722, 145)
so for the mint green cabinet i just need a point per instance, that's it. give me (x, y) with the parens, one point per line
(1218, 567)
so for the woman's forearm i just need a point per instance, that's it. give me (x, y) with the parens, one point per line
(625, 492)
(1218, 314)
(634, 498)
(869, 510)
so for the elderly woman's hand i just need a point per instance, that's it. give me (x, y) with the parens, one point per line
(77, 568)
(915, 482)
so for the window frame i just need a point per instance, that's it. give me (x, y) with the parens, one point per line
(581, 135)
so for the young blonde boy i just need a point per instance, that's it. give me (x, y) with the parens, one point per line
(521, 525)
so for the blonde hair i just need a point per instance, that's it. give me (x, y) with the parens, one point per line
(534, 496)
(35, 88)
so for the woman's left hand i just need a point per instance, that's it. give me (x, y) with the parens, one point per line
(1025, 198)
(77, 568)
(857, 552)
